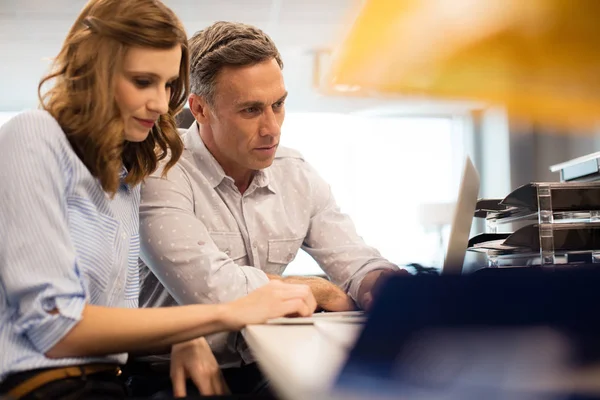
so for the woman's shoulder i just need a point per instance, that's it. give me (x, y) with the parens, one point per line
(32, 122)
(34, 135)
(34, 127)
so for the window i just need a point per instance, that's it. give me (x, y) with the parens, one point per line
(381, 171)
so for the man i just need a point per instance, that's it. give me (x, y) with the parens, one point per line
(236, 209)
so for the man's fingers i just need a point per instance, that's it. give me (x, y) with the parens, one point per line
(178, 382)
(203, 381)
(343, 302)
(367, 301)
(226, 389)
(218, 383)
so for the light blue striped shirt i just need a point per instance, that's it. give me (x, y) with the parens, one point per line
(63, 243)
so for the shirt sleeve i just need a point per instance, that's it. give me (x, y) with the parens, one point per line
(333, 242)
(179, 250)
(38, 271)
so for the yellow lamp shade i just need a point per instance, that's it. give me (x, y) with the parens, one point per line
(540, 58)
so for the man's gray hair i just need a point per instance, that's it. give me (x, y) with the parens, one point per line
(226, 44)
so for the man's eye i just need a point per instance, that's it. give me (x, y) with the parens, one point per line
(251, 110)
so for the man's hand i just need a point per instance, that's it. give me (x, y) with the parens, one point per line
(329, 296)
(371, 284)
(194, 359)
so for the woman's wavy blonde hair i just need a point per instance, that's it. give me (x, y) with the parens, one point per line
(82, 97)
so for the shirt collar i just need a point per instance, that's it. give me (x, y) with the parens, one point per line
(122, 175)
(202, 158)
(211, 168)
(263, 179)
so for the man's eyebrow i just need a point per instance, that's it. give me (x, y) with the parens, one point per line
(282, 98)
(251, 104)
(258, 104)
(151, 74)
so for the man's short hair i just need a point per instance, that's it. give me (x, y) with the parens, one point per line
(226, 44)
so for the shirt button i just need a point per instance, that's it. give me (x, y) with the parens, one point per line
(124, 235)
(227, 251)
(254, 244)
(290, 257)
(48, 305)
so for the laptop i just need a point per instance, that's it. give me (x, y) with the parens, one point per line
(466, 203)
(526, 333)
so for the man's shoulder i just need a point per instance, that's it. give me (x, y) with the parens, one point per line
(290, 166)
(177, 172)
(287, 154)
(182, 164)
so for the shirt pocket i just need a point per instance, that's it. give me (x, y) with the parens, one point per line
(283, 251)
(232, 244)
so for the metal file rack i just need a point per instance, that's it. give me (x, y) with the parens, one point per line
(565, 211)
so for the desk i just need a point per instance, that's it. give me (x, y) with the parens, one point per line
(300, 360)
(302, 363)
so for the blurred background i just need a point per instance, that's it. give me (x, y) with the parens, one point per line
(393, 160)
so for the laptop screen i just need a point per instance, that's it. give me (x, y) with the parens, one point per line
(501, 331)
(462, 219)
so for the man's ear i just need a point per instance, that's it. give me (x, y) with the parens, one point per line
(199, 109)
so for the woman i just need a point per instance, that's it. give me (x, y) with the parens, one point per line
(69, 191)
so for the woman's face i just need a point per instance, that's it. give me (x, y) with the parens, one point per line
(143, 88)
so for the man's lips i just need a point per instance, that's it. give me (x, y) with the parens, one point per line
(267, 147)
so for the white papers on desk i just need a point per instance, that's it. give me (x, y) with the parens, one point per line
(343, 335)
(348, 317)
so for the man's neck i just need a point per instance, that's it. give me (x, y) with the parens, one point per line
(242, 177)
(242, 180)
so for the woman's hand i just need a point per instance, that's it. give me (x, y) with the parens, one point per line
(275, 299)
(195, 360)
(329, 296)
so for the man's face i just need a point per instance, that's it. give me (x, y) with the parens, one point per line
(247, 115)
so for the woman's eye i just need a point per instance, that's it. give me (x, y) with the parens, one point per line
(142, 83)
